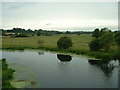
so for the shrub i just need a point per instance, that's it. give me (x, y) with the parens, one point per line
(116, 54)
(95, 45)
(7, 85)
(106, 41)
(4, 65)
(64, 42)
(7, 75)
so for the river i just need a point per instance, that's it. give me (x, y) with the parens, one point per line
(53, 70)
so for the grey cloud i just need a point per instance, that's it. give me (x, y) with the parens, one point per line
(15, 5)
(48, 24)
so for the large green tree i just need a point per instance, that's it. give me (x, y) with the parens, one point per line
(95, 45)
(96, 33)
(106, 40)
(117, 38)
(64, 42)
(103, 30)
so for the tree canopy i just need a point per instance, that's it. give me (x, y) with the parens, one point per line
(64, 42)
(96, 33)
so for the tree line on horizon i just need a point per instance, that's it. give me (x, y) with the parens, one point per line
(39, 32)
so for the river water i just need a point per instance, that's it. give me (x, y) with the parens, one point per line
(52, 70)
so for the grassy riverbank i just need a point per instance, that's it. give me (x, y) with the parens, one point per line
(7, 75)
(80, 45)
(114, 54)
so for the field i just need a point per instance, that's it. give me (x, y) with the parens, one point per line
(80, 45)
(80, 42)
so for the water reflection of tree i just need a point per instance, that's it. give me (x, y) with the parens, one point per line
(62, 57)
(104, 65)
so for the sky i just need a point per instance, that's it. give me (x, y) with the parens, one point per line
(62, 16)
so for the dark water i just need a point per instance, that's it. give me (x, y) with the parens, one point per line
(51, 70)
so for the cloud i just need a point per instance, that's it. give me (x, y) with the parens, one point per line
(11, 5)
(48, 24)
(61, 16)
(15, 5)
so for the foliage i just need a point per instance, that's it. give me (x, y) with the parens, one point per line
(67, 32)
(38, 33)
(64, 42)
(95, 45)
(103, 30)
(80, 45)
(21, 35)
(7, 85)
(78, 34)
(96, 33)
(80, 42)
(117, 38)
(106, 40)
(4, 65)
(7, 75)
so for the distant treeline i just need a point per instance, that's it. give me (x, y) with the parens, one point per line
(19, 32)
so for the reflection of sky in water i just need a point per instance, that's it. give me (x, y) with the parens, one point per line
(50, 72)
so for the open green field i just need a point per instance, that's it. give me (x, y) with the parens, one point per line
(80, 42)
(80, 45)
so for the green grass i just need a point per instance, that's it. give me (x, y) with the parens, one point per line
(80, 45)
(79, 41)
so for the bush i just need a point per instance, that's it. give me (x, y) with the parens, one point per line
(7, 75)
(106, 41)
(116, 54)
(95, 45)
(4, 65)
(7, 85)
(64, 43)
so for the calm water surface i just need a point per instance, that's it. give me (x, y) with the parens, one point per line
(52, 70)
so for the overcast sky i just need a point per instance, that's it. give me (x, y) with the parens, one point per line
(60, 15)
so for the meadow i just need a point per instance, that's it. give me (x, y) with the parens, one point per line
(80, 45)
(80, 42)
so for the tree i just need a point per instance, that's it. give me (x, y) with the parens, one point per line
(103, 30)
(67, 32)
(20, 35)
(38, 33)
(95, 45)
(64, 42)
(106, 40)
(96, 33)
(117, 38)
